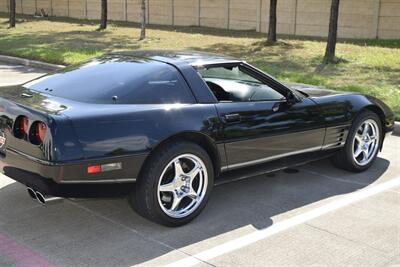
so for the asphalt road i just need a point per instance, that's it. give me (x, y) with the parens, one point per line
(317, 216)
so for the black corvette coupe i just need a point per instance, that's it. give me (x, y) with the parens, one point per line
(165, 126)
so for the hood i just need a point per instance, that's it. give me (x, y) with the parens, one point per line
(313, 90)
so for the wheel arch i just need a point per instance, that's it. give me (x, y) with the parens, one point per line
(201, 139)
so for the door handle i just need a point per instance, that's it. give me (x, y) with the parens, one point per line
(232, 117)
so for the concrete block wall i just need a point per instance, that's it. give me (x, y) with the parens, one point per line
(213, 13)
(44, 5)
(243, 14)
(93, 9)
(77, 9)
(389, 19)
(4, 6)
(186, 12)
(160, 12)
(357, 18)
(285, 16)
(133, 10)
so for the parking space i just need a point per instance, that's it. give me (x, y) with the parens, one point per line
(319, 215)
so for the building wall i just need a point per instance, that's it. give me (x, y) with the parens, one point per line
(357, 18)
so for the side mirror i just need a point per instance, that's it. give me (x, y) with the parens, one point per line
(291, 99)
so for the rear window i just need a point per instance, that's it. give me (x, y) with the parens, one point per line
(117, 80)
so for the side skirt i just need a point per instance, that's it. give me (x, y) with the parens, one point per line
(272, 166)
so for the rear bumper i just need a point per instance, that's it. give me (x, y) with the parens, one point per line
(71, 179)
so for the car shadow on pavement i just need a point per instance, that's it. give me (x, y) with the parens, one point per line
(106, 232)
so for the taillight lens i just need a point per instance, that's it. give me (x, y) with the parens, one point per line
(38, 132)
(21, 127)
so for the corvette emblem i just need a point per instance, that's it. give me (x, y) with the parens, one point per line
(2, 139)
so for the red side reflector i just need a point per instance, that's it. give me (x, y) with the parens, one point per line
(94, 169)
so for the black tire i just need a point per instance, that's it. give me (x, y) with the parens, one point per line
(344, 158)
(144, 198)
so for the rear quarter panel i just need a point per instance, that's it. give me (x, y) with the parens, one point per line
(117, 130)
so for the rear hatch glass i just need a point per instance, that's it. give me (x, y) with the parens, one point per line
(115, 79)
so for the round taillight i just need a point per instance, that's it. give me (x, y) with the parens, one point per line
(21, 127)
(38, 132)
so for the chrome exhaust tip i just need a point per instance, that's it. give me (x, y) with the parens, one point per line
(32, 193)
(40, 197)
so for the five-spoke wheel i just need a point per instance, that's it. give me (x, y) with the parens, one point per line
(182, 185)
(175, 184)
(366, 142)
(362, 145)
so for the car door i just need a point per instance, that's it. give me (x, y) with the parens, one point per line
(266, 129)
(263, 131)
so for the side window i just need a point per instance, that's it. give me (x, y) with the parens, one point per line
(165, 86)
(232, 84)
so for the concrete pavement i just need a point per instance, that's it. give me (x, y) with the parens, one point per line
(11, 74)
(106, 232)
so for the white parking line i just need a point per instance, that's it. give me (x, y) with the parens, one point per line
(258, 235)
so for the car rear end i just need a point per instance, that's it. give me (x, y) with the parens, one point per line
(40, 149)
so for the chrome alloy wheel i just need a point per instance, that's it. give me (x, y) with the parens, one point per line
(366, 142)
(182, 186)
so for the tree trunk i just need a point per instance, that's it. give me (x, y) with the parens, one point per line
(103, 22)
(272, 21)
(143, 21)
(332, 36)
(12, 13)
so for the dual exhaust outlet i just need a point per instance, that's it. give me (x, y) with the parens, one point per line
(41, 198)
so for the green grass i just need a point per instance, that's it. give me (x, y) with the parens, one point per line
(367, 66)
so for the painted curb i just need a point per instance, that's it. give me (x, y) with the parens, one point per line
(32, 63)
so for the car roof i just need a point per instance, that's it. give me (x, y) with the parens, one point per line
(194, 58)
